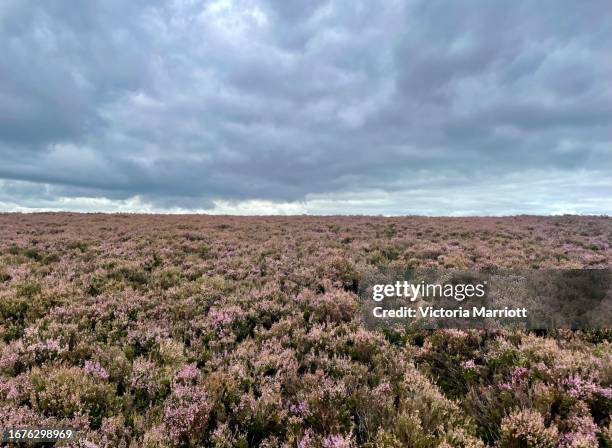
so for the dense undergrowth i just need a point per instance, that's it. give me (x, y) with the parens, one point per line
(161, 331)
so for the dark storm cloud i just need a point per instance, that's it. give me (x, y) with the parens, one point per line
(185, 103)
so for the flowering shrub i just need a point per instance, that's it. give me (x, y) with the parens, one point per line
(186, 413)
(96, 370)
(64, 392)
(527, 428)
(169, 331)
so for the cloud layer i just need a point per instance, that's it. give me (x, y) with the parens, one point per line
(391, 107)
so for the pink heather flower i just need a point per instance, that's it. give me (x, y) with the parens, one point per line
(224, 317)
(305, 441)
(579, 388)
(19, 274)
(469, 365)
(222, 436)
(453, 332)
(95, 369)
(48, 347)
(188, 373)
(144, 377)
(187, 411)
(220, 431)
(87, 444)
(605, 392)
(575, 386)
(542, 367)
(583, 434)
(8, 360)
(301, 409)
(144, 334)
(9, 387)
(337, 441)
(382, 388)
(517, 375)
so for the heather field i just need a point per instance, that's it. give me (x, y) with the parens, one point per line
(167, 331)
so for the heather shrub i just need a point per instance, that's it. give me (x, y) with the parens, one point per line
(4, 276)
(10, 357)
(407, 431)
(436, 413)
(606, 435)
(448, 358)
(340, 270)
(65, 391)
(460, 437)
(262, 414)
(13, 312)
(115, 362)
(147, 382)
(28, 290)
(487, 406)
(526, 428)
(112, 433)
(332, 306)
(186, 413)
(41, 351)
(167, 278)
(156, 437)
(132, 276)
(170, 352)
(96, 285)
(580, 432)
(373, 408)
(362, 345)
(338, 441)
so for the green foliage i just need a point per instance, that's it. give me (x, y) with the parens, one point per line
(64, 391)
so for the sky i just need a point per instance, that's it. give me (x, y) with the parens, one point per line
(306, 107)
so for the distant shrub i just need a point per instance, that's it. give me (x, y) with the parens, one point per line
(332, 306)
(167, 278)
(28, 289)
(32, 253)
(78, 245)
(4, 276)
(132, 275)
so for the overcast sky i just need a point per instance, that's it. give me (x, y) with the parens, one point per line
(275, 106)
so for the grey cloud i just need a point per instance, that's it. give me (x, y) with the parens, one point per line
(186, 103)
